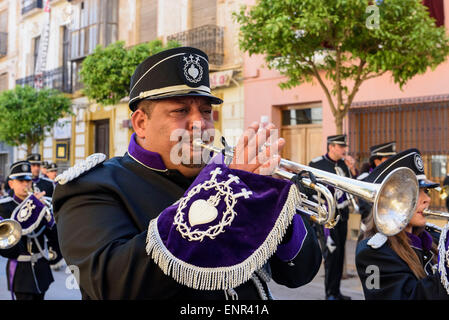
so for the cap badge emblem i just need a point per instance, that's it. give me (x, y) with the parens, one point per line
(192, 69)
(24, 167)
(419, 163)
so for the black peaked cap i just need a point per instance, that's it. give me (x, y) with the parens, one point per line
(410, 158)
(177, 72)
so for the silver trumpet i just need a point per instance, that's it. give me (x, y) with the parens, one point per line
(394, 200)
(441, 214)
(10, 233)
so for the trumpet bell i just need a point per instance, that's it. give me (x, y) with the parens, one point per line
(396, 201)
(10, 233)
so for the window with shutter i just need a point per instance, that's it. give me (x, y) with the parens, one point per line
(3, 33)
(204, 12)
(148, 20)
(94, 22)
(3, 82)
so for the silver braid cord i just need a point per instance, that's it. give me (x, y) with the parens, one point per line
(259, 287)
(83, 166)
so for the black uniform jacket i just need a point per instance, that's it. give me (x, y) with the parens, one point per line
(102, 220)
(396, 280)
(43, 184)
(28, 278)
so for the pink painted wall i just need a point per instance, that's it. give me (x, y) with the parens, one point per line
(262, 92)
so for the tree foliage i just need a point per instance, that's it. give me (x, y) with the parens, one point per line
(106, 73)
(27, 114)
(344, 41)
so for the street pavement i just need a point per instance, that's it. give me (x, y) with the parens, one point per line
(62, 288)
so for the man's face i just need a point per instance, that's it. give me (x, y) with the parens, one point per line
(171, 128)
(20, 187)
(35, 169)
(52, 174)
(337, 151)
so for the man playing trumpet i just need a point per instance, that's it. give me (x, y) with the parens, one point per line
(158, 223)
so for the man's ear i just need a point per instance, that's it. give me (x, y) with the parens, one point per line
(10, 183)
(139, 121)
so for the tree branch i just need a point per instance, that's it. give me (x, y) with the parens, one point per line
(323, 85)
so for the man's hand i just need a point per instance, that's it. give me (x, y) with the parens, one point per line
(40, 195)
(350, 162)
(258, 150)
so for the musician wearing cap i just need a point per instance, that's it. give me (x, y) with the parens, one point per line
(40, 183)
(44, 167)
(378, 154)
(28, 270)
(333, 240)
(166, 222)
(52, 171)
(408, 264)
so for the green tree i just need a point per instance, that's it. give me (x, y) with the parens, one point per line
(344, 41)
(27, 114)
(106, 73)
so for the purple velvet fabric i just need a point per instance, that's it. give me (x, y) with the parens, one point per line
(255, 218)
(11, 272)
(423, 241)
(148, 158)
(35, 215)
(288, 251)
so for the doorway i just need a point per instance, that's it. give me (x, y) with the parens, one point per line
(102, 137)
(302, 130)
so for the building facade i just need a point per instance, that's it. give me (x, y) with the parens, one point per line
(8, 62)
(76, 27)
(415, 117)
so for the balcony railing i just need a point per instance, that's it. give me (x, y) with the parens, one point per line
(56, 79)
(28, 5)
(208, 38)
(3, 44)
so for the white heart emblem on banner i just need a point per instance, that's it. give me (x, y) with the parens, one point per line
(202, 212)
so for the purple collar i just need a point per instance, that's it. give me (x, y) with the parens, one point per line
(145, 157)
(36, 179)
(422, 242)
(17, 199)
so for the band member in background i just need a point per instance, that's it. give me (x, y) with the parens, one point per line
(44, 168)
(52, 171)
(125, 221)
(333, 240)
(406, 263)
(378, 154)
(28, 269)
(40, 183)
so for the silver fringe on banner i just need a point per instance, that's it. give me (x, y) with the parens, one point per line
(221, 278)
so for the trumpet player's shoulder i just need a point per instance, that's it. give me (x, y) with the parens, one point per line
(81, 168)
(375, 242)
(317, 159)
(6, 199)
